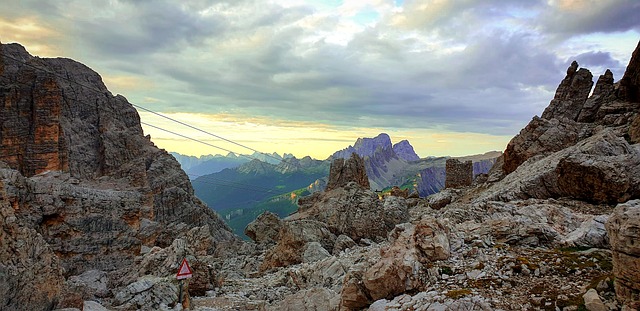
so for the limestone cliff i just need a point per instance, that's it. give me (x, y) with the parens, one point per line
(80, 173)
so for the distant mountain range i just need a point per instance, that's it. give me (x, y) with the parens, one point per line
(209, 164)
(240, 188)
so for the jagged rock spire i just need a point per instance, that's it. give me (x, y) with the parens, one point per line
(344, 171)
(571, 94)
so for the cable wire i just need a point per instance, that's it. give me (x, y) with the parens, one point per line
(206, 179)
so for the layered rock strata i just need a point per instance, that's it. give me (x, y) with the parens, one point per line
(79, 171)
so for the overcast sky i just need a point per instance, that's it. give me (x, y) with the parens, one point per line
(309, 76)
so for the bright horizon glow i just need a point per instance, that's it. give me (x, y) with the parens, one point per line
(317, 140)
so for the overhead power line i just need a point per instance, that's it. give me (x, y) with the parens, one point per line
(203, 131)
(89, 87)
(206, 179)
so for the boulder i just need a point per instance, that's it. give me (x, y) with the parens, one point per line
(354, 294)
(443, 198)
(591, 233)
(411, 246)
(343, 242)
(292, 242)
(316, 298)
(593, 302)
(89, 305)
(533, 223)
(147, 293)
(623, 228)
(264, 229)
(91, 283)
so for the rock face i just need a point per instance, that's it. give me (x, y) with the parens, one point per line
(431, 180)
(578, 142)
(623, 228)
(82, 174)
(345, 171)
(458, 174)
(570, 95)
(355, 212)
(365, 147)
(405, 151)
(31, 272)
(630, 83)
(349, 210)
(602, 168)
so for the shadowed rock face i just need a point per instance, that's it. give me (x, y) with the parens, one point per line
(344, 171)
(78, 169)
(630, 83)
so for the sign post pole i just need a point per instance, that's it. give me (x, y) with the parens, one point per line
(184, 272)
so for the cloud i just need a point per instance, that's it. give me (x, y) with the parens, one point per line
(434, 65)
(597, 59)
(588, 16)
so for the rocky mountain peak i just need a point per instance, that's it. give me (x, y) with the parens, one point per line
(365, 147)
(405, 151)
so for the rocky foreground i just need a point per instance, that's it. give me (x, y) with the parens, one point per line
(95, 217)
(554, 226)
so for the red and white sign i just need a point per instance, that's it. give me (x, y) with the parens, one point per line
(184, 272)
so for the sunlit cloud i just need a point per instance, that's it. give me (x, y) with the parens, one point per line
(32, 32)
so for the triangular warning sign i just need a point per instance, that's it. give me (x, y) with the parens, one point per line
(184, 272)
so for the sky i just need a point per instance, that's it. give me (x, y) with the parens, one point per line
(309, 77)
